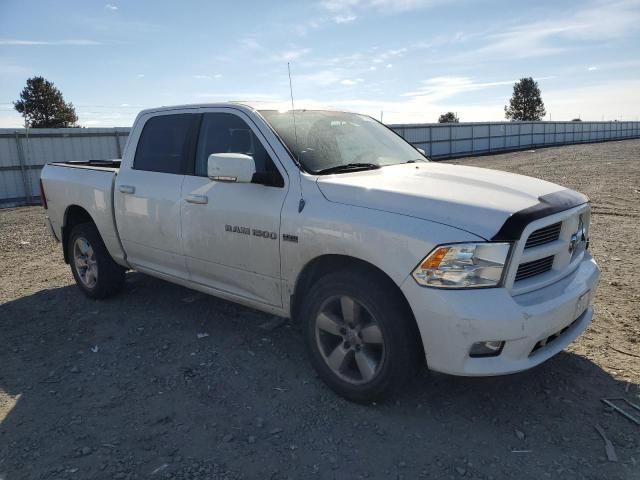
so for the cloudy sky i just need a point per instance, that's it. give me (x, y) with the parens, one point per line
(411, 59)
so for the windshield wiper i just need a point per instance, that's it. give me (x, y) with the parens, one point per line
(349, 167)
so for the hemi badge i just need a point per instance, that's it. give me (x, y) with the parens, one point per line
(289, 238)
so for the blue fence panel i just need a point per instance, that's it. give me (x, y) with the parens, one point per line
(442, 141)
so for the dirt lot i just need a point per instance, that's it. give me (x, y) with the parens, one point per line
(125, 388)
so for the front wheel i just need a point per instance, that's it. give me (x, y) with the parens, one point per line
(361, 337)
(95, 272)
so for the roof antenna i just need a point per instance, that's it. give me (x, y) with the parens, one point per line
(295, 133)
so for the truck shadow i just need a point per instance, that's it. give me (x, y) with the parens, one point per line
(163, 379)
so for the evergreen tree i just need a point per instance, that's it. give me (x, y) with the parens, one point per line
(526, 102)
(42, 105)
(448, 117)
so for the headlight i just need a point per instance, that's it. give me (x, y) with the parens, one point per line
(463, 265)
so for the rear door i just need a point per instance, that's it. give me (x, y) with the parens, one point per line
(148, 191)
(232, 230)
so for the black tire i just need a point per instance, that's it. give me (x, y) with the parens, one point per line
(110, 276)
(401, 348)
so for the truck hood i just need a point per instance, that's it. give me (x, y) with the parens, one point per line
(477, 200)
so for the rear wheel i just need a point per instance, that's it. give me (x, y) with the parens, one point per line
(360, 335)
(95, 272)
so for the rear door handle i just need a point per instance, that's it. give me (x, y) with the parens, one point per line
(127, 189)
(199, 199)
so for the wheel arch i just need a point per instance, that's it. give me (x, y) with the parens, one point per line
(73, 215)
(319, 266)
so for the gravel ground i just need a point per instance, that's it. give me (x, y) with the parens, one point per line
(161, 382)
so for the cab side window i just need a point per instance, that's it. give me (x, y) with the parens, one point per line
(228, 133)
(165, 143)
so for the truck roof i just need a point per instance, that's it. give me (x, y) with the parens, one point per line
(247, 105)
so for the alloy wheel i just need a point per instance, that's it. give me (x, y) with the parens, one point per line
(349, 339)
(85, 262)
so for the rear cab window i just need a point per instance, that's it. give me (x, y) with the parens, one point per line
(166, 143)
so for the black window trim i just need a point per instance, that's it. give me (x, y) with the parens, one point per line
(192, 146)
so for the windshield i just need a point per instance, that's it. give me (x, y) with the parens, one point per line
(327, 139)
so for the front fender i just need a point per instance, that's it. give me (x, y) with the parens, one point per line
(392, 242)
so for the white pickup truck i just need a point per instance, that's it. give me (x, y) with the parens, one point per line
(331, 218)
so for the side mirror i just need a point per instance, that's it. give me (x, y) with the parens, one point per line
(231, 167)
(421, 151)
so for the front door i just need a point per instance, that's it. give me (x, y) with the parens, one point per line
(231, 231)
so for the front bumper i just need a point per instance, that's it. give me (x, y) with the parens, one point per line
(451, 321)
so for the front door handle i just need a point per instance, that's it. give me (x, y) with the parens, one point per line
(199, 199)
(127, 189)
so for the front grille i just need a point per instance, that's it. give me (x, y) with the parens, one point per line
(544, 235)
(535, 267)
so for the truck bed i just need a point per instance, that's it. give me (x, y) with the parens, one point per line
(86, 185)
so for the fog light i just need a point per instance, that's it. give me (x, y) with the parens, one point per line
(486, 349)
